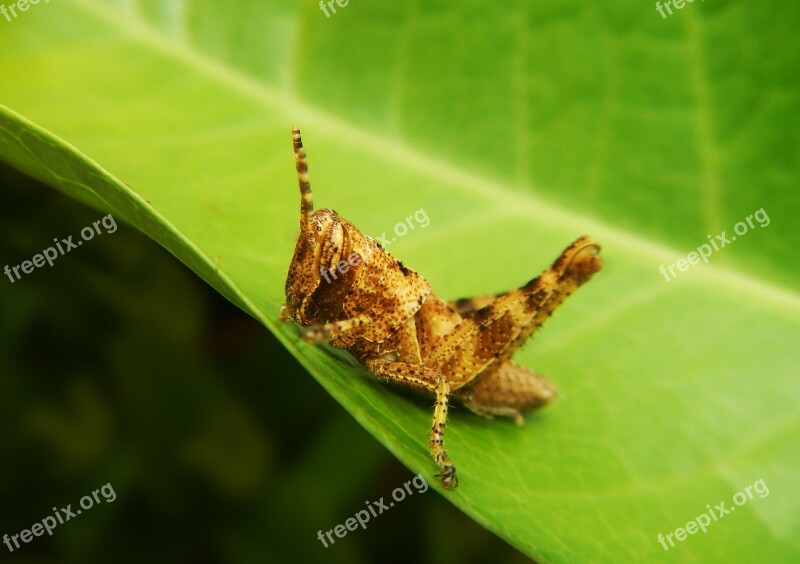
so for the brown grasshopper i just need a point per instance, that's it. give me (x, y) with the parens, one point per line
(388, 317)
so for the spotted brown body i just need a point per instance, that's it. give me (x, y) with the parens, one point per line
(344, 287)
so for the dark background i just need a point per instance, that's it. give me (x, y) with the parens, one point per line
(120, 366)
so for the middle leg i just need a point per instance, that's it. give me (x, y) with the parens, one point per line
(427, 379)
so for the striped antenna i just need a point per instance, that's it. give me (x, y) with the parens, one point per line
(306, 199)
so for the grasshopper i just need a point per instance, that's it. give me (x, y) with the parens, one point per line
(388, 317)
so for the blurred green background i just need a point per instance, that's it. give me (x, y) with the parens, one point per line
(120, 365)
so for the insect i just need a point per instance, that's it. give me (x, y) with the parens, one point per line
(388, 317)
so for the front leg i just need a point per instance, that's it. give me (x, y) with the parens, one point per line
(316, 333)
(427, 379)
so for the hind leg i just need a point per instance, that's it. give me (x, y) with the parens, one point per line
(506, 391)
(488, 337)
(467, 306)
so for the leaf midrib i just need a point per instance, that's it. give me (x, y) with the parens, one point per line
(524, 205)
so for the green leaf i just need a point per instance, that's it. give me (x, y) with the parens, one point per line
(515, 128)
